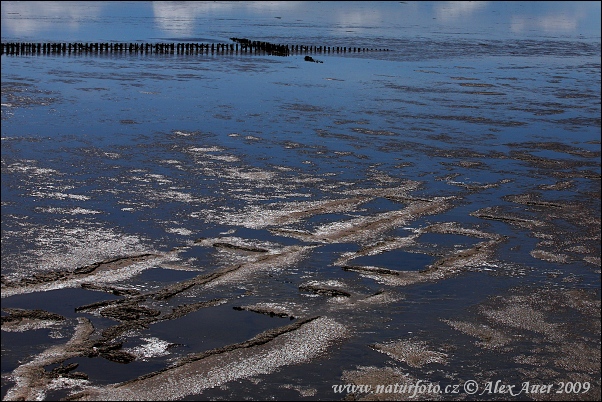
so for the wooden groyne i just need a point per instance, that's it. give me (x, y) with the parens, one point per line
(237, 46)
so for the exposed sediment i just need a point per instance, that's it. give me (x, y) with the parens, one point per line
(491, 214)
(241, 248)
(117, 291)
(369, 227)
(249, 266)
(292, 344)
(550, 328)
(547, 334)
(325, 289)
(272, 309)
(106, 271)
(412, 352)
(381, 382)
(19, 320)
(279, 214)
(31, 379)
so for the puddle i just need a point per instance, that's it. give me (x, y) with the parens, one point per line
(214, 328)
(62, 301)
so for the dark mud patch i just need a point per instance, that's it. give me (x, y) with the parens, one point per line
(446, 241)
(370, 270)
(557, 147)
(558, 186)
(304, 107)
(90, 89)
(414, 353)
(240, 248)
(185, 309)
(490, 93)
(117, 291)
(481, 254)
(489, 338)
(19, 320)
(330, 289)
(371, 383)
(468, 119)
(535, 200)
(477, 85)
(129, 312)
(366, 131)
(468, 164)
(271, 309)
(560, 168)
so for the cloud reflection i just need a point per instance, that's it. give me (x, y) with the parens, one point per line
(30, 17)
(552, 23)
(458, 10)
(549, 23)
(181, 17)
(44, 20)
(354, 18)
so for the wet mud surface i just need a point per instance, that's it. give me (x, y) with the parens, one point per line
(442, 227)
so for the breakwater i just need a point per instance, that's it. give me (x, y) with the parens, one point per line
(238, 45)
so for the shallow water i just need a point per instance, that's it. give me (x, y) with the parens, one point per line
(440, 199)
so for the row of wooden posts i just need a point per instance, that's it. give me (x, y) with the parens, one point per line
(239, 46)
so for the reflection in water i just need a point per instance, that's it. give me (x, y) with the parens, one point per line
(183, 17)
(458, 10)
(30, 17)
(552, 23)
(388, 19)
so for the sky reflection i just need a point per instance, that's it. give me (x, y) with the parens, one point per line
(70, 21)
(183, 17)
(458, 10)
(30, 17)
